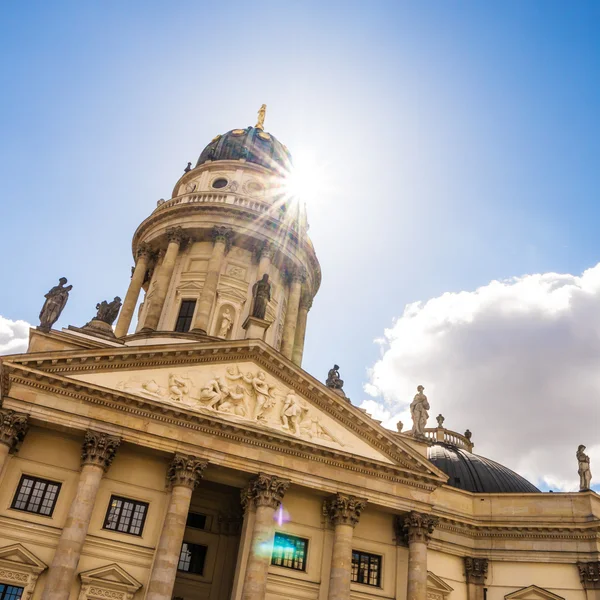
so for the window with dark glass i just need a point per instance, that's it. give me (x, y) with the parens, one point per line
(196, 520)
(10, 592)
(186, 313)
(192, 558)
(125, 516)
(366, 568)
(220, 183)
(289, 552)
(36, 495)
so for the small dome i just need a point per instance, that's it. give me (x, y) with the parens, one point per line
(253, 144)
(473, 473)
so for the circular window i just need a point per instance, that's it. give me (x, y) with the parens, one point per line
(220, 183)
(254, 187)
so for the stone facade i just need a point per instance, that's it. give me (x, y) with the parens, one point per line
(195, 465)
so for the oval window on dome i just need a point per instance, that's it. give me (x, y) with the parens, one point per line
(219, 183)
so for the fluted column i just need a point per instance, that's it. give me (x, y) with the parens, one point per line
(222, 242)
(185, 472)
(298, 276)
(418, 528)
(343, 512)
(133, 293)
(97, 455)
(476, 572)
(163, 278)
(304, 306)
(264, 494)
(13, 427)
(589, 573)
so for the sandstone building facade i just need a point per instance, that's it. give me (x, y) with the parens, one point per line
(194, 458)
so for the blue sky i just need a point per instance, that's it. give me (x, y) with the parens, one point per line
(461, 142)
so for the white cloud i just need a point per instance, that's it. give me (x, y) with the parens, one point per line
(517, 362)
(14, 336)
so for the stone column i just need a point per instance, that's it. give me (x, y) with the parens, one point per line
(163, 278)
(13, 427)
(265, 256)
(222, 242)
(185, 472)
(589, 573)
(97, 455)
(298, 276)
(417, 529)
(476, 572)
(263, 494)
(133, 293)
(343, 512)
(304, 307)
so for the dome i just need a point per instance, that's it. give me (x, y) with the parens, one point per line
(253, 144)
(473, 473)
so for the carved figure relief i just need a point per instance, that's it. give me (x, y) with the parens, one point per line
(246, 394)
(236, 272)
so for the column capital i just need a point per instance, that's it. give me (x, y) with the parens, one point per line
(264, 490)
(186, 471)
(13, 427)
(223, 235)
(175, 234)
(344, 510)
(476, 569)
(589, 573)
(306, 301)
(99, 449)
(264, 249)
(294, 273)
(418, 527)
(143, 250)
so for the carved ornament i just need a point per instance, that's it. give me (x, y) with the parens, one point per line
(223, 235)
(264, 490)
(175, 234)
(143, 251)
(418, 527)
(344, 510)
(13, 427)
(306, 301)
(186, 471)
(99, 449)
(589, 573)
(476, 569)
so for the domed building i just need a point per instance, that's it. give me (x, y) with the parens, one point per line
(174, 448)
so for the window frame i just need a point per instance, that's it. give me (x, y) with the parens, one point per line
(36, 480)
(188, 572)
(4, 592)
(135, 503)
(194, 301)
(293, 538)
(369, 555)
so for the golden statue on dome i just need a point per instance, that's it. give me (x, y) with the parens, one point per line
(261, 117)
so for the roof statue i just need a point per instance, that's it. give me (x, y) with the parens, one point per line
(418, 411)
(333, 379)
(56, 300)
(260, 124)
(188, 168)
(440, 420)
(585, 475)
(108, 311)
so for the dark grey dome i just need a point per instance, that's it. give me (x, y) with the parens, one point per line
(473, 473)
(253, 144)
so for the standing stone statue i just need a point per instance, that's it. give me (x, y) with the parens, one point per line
(226, 323)
(418, 411)
(333, 379)
(261, 293)
(188, 168)
(56, 299)
(585, 475)
(108, 311)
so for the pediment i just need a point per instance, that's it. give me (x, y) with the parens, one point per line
(437, 584)
(221, 382)
(533, 592)
(17, 558)
(112, 576)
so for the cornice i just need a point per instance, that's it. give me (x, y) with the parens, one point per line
(226, 352)
(213, 425)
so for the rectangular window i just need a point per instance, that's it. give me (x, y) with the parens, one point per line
(191, 558)
(196, 520)
(36, 495)
(10, 592)
(126, 516)
(366, 568)
(186, 313)
(289, 552)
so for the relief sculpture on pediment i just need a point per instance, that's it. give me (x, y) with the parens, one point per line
(244, 394)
